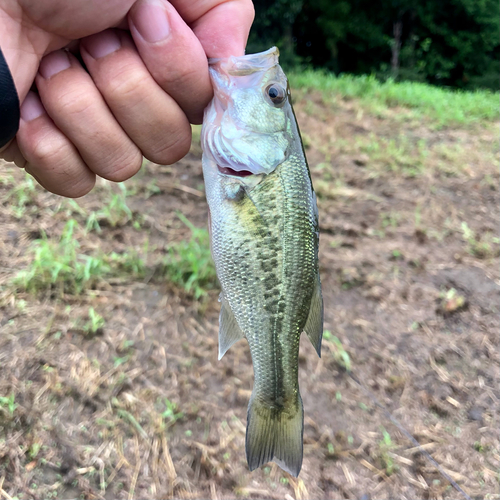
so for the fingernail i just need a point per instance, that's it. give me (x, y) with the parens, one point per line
(102, 44)
(32, 107)
(54, 63)
(151, 21)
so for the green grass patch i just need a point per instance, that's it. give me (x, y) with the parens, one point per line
(21, 196)
(398, 155)
(444, 106)
(340, 355)
(93, 323)
(129, 263)
(170, 413)
(115, 213)
(385, 448)
(8, 404)
(486, 246)
(59, 265)
(189, 263)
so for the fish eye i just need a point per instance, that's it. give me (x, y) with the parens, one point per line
(276, 93)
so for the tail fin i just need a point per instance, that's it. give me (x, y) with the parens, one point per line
(275, 435)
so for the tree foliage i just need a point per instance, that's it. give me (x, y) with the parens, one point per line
(445, 42)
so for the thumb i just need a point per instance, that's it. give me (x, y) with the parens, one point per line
(222, 27)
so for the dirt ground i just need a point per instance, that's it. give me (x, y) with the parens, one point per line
(139, 406)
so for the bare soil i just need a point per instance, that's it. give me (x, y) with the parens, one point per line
(411, 296)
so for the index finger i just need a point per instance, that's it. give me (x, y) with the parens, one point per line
(222, 27)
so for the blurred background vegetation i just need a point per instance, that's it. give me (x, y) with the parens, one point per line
(444, 42)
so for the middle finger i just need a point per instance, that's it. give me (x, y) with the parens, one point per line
(152, 118)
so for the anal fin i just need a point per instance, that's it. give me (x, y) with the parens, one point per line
(229, 330)
(314, 323)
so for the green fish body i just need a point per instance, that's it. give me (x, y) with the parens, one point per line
(264, 237)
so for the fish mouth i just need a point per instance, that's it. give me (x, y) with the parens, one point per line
(234, 173)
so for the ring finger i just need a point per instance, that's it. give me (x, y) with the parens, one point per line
(150, 116)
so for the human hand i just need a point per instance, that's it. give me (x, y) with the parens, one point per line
(146, 78)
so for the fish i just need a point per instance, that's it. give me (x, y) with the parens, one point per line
(264, 233)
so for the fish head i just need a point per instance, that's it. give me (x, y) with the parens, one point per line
(247, 127)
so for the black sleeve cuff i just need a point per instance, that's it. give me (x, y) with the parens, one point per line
(9, 104)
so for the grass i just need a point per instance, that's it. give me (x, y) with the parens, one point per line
(59, 265)
(390, 219)
(340, 355)
(385, 447)
(94, 323)
(115, 213)
(21, 195)
(396, 155)
(189, 263)
(482, 248)
(442, 105)
(171, 414)
(129, 263)
(8, 404)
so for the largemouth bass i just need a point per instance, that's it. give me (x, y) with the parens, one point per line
(263, 221)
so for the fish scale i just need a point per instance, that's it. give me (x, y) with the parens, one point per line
(264, 237)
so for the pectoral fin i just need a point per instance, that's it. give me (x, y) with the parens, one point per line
(229, 330)
(314, 323)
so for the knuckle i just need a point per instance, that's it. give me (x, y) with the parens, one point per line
(179, 74)
(123, 168)
(178, 146)
(73, 102)
(79, 189)
(48, 150)
(127, 85)
(74, 187)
